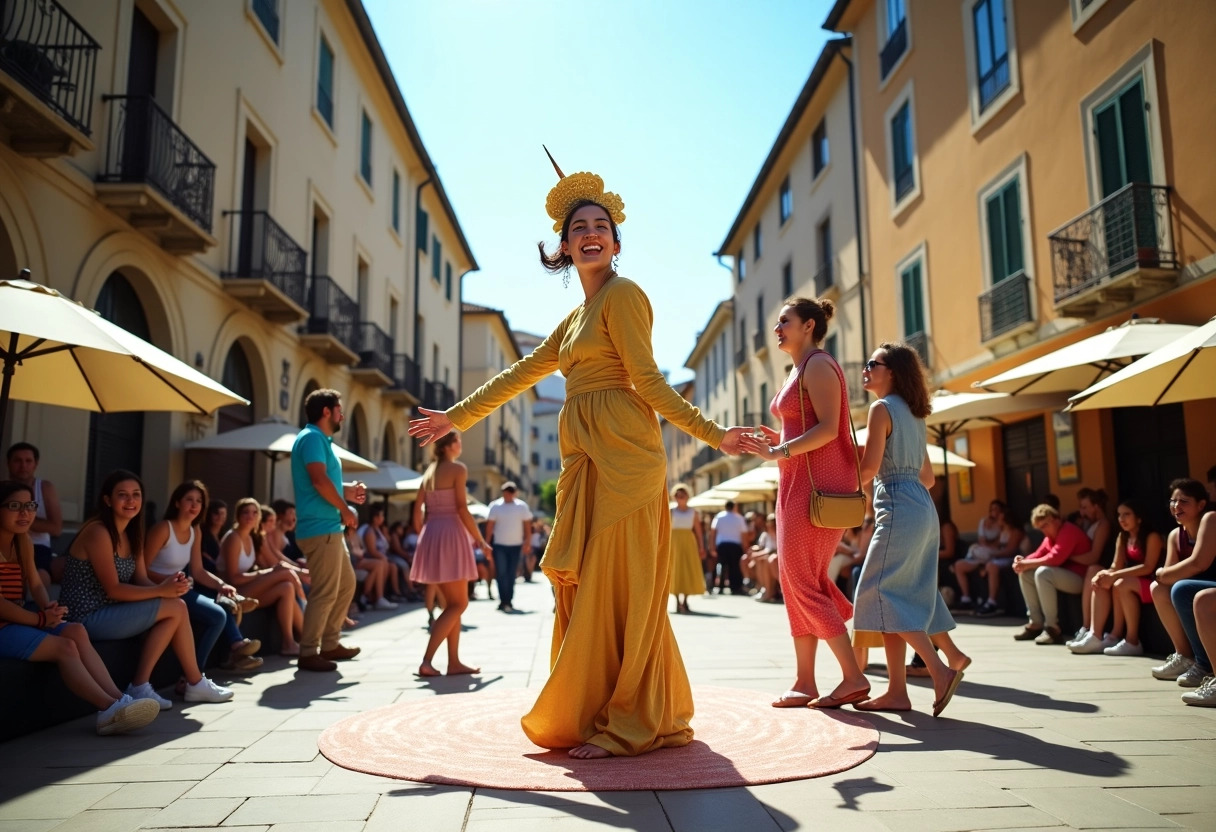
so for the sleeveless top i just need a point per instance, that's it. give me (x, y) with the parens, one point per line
(905, 451)
(682, 519)
(245, 561)
(173, 556)
(1135, 550)
(40, 538)
(82, 593)
(381, 540)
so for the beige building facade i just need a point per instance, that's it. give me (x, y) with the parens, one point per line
(1033, 174)
(715, 392)
(544, 452)
(242, 185)
(681, 448)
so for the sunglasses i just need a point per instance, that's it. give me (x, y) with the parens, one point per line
(14, 505)
(871, 364)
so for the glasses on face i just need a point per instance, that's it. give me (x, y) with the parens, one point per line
(871, 364)
(15, 505)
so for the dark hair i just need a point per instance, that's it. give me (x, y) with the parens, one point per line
(179, 493)
(10, 487)
(1052, 500)
(258, 538)
(281, 506)
(1194, 489)
(374, 510)
(26, 446)
(1146, 523)
(316, 402)
(730, 505)
(104, 514)
(1211, 473)
(908, 377)
(998, 503)
(1097, 497)
(819, 311)
(1012, 520)
(396, 524)
(559, 260)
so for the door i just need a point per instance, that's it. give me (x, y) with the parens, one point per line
(1026, 471)
(141, 86)
(1121, 134)
(249, 183)
(1150, 451)
(228, 475)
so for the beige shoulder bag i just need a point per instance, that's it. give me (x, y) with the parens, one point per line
(833, 511)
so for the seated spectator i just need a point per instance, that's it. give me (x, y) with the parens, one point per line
(1009, 546)
(1205, 626)
(106, 588)
(374, 535)
(44, 636)
(485, 572)
(374, 574)
(755, 527)
(1190, 568)
(763, 557)
(270, 556)
(1125, 586)
(402, 558)
(23, 468)
(174, 545)
(1049, 570)
(273, 586)
(848, 554)
(947, 554)
(1092, 518)
(212, 530)
(540, 538)
(284, 537)
(989, 531)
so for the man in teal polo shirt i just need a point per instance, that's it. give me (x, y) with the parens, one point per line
(321, 512)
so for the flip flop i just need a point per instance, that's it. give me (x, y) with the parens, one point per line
(940, 705)
(792, 699)
(834, 702)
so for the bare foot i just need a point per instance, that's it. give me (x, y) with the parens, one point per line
(426, 669)
(459, 669)
(587, 751)
(886, 702)
(961, 663)
(290, 650)
(350, 623)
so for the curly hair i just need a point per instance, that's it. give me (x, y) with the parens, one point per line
(908, 377)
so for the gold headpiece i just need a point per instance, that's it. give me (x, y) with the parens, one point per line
(570, 189)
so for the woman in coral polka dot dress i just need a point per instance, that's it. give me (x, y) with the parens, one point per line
(816, 607)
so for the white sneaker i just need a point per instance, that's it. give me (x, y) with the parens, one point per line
(1174, 666)
(1081, 635)
(384, 604)
(1125, 648)
(126, 714)
(1194, 677)
(1110, 641)
(205, 690)
(1090, 644)
(1204, 696)
(146, 691)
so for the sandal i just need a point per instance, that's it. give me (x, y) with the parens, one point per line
(836, 702)
(792, 699)
(940, 705)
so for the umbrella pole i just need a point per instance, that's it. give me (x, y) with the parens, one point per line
(941, 435)
(10, 365)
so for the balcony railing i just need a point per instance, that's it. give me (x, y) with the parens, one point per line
(759, 341)
(705, 456)
(994, 81)
(261, 249)
(407, 377)
(51, 55)
(894, 49)
(825, 278)
(1129, 229)
(852, 379)
(1005, 307)
(145, 146)
(437, 396)
(740, 356)
(919, 341)
(332, 312)
(375, 349)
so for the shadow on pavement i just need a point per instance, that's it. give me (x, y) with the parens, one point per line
(455, 684)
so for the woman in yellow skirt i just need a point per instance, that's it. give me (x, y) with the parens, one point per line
(687, 550)
(617, 685)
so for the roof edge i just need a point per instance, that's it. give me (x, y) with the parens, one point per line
(721, 308)
(835, 15)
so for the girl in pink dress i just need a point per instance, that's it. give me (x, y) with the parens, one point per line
(445, 549)
(816, 607)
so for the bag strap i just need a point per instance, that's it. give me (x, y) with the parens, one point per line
(802, 408)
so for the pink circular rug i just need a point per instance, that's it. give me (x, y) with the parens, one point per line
(474, 739)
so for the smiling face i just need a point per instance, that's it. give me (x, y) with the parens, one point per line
(190, 505)
(1185, 508)
(589, 241)
(793, 333)
(19, 520)
(876, 374)
(126, 499)
(248, 516)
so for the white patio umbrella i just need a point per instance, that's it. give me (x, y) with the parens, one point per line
(940, 458)
(390, 478)
(273, 437)
(760, 480)
(1077, 366)
(1179, 372)
(70, 356)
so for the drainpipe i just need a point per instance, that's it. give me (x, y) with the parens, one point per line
(730, 358)
(861, 284)
(418, 277)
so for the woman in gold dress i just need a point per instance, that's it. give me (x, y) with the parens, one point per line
(617, 685)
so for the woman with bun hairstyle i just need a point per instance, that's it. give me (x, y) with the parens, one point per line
(816, 431)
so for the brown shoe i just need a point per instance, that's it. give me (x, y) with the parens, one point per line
(1028, 633)
(316, 663)
(340, 653)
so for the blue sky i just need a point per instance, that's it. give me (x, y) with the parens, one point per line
(675, 103)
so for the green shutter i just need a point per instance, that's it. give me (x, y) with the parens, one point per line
(423, 224)
(436, 259)
(996, 238)
(1135, 134)
(913, 298)
(1005, 232)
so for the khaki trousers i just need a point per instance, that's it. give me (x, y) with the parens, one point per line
(333, 586)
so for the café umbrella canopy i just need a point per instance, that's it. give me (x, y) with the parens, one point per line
(940, 458)
(57, 351)
(1182, 371)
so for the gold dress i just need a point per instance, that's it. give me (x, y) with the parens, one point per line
(617, 679)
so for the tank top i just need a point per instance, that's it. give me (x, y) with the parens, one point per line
(1186, 547)
(173, 556)
(905, 451)
(1135, 550)
(683, 519)
(83, 593)
(12, 581)
(381, 540)
(40, 538)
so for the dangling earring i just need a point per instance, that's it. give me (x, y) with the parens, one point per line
(566, 277)
(616, 263)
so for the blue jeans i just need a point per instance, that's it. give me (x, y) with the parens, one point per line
(1182, 595)
(506, 562)
(206, 620)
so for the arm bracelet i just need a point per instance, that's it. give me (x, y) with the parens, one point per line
(785, 449)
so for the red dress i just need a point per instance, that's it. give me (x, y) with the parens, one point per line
(815, 605)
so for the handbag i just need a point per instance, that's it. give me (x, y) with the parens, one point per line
(829, 510)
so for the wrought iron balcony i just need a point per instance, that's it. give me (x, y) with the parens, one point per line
(705, 456)
(331, 329)
(437, 396)
(267, 269)
(155, 177)
(741, 357)
(1117, 252)
(375, 349)
(919, 341)
(48, 63)
(759, 342)
(896, 46)
(406, 386)
(825, 278)
(1005, 307)
(853, 381)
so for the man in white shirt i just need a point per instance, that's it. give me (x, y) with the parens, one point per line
(509, 531)
(730, 537)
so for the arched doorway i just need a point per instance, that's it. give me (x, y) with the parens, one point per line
(116, 440)
(308, 388)
(356, 432)
(388, 445)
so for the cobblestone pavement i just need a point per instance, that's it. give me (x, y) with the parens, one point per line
(1036, 739)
